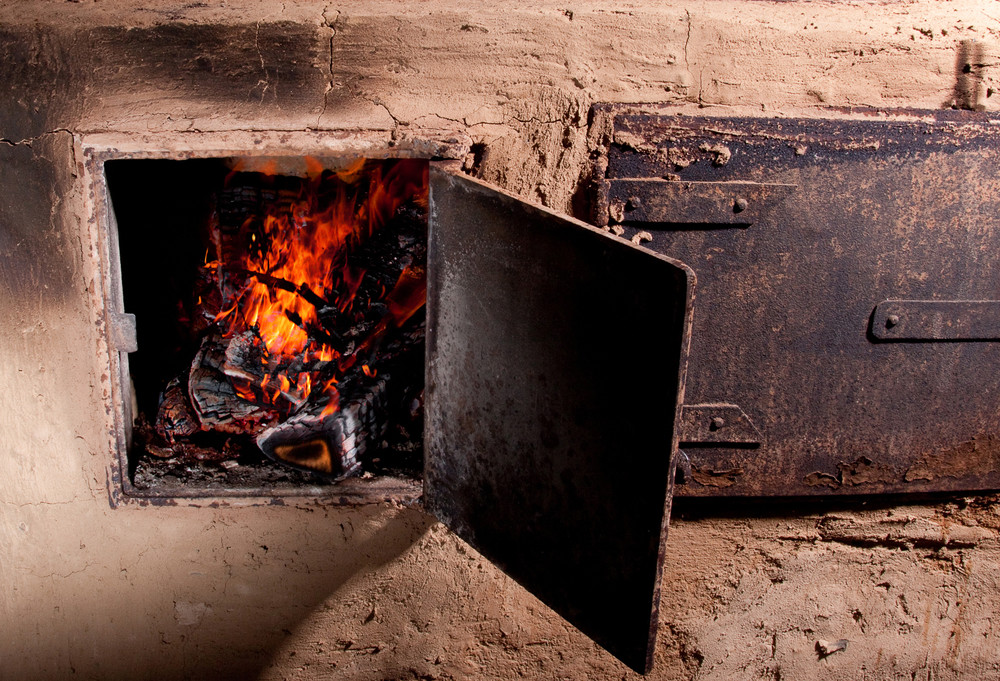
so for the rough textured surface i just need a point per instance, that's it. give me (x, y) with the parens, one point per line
(301, 590)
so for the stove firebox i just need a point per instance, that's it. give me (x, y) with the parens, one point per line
(279, 319)
(528, 450)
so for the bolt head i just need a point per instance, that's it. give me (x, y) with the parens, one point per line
(717, 422)
(891, 320)
(740, 205)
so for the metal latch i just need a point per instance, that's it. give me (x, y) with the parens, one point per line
(667, 201)
(121, 331)
(937, 320)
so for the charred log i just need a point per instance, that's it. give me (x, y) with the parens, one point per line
(214, 397)
(175, 418)
(331, 443)
(245, 357)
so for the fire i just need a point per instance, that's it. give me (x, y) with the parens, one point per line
(296, 270)
(405, 298)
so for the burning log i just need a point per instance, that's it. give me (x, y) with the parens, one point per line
(246, 357)
(214, 398)
(331, 441)
(278, 283)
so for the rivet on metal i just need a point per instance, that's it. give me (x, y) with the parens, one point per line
(718, 422)
(633, 202)
(739, 205)
(891, 320)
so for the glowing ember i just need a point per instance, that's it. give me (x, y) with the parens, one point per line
(288, 287)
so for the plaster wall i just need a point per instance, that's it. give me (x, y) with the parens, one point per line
(301, 589)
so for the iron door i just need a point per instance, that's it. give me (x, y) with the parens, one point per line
(848, 294)
(555, 365)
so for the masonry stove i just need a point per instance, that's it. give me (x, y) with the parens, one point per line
(529, 451)
(554, 365)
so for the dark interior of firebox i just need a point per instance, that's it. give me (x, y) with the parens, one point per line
(279, 309)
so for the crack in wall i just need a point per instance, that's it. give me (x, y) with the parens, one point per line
(377, 101)
(266, 81)
(27, 141)
(214, 131)
(334, 27)
(567, 120)
(687, 61)
(29, 504)
(687, 39)
(65, 575)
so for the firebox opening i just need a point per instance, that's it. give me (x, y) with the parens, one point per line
(279, 306)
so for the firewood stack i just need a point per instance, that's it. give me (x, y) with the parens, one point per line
(325, 408)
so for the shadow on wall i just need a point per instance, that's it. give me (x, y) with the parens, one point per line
(186, 593)
(268, 589)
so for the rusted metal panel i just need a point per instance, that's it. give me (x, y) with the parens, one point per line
(889, 206)
(555, 357)
(937, 320)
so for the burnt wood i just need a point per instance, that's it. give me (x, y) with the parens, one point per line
(332, 444)
(213, 396)
(175, 418)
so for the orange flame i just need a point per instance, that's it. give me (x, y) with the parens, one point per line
(303, 244)
(405, 298)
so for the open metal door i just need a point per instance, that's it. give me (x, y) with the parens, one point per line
(555, 366)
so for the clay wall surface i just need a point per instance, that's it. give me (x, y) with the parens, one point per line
(301, 589)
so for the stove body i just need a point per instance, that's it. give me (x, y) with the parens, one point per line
(217, 582)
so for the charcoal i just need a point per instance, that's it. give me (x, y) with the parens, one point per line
(188, 451)
(197, 446)
(175, 417)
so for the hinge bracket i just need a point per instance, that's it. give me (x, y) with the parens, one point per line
(937, 320)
